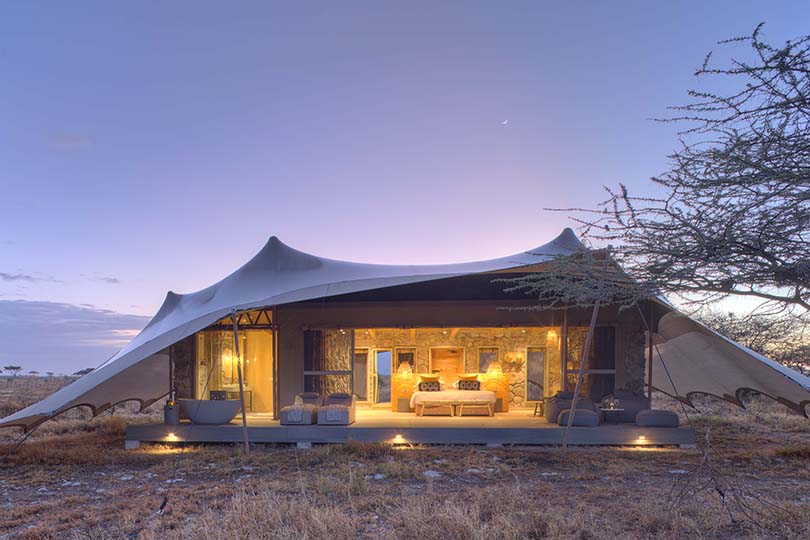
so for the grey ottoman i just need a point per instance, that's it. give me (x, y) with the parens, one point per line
(657, 418)
(582, 417)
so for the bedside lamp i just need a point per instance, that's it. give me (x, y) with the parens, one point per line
(494, 369)
(405, 371)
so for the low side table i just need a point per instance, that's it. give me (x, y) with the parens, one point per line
(612, 416)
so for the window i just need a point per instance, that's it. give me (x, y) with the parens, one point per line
(407, 355)
(486, 355)
(217, 363)
(383, 370)
(328, 361)
(535, 371)
(600, 366)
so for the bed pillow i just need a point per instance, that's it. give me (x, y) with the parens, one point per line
(469, 385)
(429, 386)
(429, 378)
(468, 377)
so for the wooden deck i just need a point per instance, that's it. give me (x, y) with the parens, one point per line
(518, 427)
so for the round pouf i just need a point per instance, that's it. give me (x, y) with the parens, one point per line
(657, 418)
(581, 418)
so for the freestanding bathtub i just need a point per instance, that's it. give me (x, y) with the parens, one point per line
(208, 411)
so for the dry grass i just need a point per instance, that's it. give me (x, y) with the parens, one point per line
(73, 480)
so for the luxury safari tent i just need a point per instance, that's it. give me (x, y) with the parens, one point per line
(321, 350)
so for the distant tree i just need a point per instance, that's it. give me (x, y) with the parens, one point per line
(83, 372)
(49, 373)
(779, 338)
(33, 372)
(733, 218)
(14, 370)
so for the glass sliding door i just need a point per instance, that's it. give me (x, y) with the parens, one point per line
(382, 365)
(216, 367)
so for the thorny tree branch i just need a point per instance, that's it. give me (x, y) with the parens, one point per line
(734, 217)
(580, 280)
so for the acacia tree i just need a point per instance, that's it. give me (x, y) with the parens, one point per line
(14, 370)
(734, 217)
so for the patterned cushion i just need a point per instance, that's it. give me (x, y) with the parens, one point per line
(469, 385)
(432, 386)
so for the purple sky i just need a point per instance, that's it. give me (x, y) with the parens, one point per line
(154, 146)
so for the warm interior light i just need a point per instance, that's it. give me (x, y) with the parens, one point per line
(398, 439)
(551, 337)
(405, 370)
(494, 369)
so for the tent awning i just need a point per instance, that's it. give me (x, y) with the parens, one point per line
(698, 360)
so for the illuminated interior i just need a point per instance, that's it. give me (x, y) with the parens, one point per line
(526, 360)
(216, 367)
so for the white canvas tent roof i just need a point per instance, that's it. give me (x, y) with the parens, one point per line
(279, 275)
(697, 360)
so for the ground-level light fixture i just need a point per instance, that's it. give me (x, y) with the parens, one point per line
(641, 439)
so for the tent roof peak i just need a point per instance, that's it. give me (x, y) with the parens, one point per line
(275, 248)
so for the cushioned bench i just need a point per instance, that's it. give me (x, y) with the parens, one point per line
(436, 405)
(476, 404)
(303, 411)
(562, 402)
(339, 410)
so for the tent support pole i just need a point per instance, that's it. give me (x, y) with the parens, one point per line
(276, 398)
(564, 352)
(171, 374)
(241, 384)
(580, 374)
(649, 325)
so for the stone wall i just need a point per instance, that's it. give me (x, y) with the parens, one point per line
(182, 354)
(511, 343)
(333, 352)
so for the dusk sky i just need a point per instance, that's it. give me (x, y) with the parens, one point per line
(147, 147)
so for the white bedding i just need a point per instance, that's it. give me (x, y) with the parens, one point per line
(452, 395)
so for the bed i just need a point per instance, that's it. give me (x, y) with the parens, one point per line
(452, 401)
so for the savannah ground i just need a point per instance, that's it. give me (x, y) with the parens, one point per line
(72, 479)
